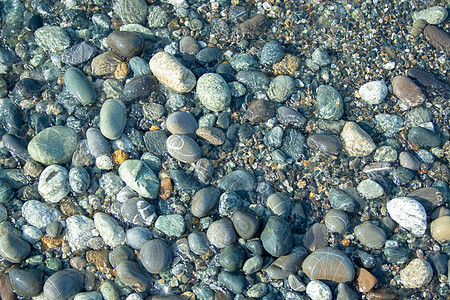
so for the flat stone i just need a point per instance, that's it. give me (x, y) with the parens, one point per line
(198, 242)
(429, 197)
(171, 225)
(212, 135)
(409, 94)
(213, 92)
(238, 180)
(438, 38)
(281, 88)
(39, 214)
(105, 64)
(287, 265)
(113, 117)
(277, 237)
(54, 183)
(328, 264)
(26, 282)
(109, 229)
(155, 141)
(139, 177)
(63, 284)
(53, 145)
(100, 259)
(253, 264)
(370, 235)
(52, 38)
(409, 214)
(370, 189)
(77, 84)
(97, 143)
(79, 231)
(138, 236)
(172, 73)
(418, 273)
(325, 143)
(424, 137)
(183, 148)
(78, 53)
(181, 122)
(440, 229)
(356, 141)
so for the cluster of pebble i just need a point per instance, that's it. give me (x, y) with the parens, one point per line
(158, 186)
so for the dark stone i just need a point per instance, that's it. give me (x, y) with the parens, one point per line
(260, 111)
(316, 237)
(325, 143)
(78, 53)
(16, 146)
(25, 282)
(155, 141)
(290, 117)
(438, 38)
(63, 284)
(138, 88)
(134, 276)
(277, 237)
(424, 137)
(126, 43)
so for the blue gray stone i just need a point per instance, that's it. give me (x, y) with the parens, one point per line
(113, 117)
(77, 84)
(213, 92)
(139, 177)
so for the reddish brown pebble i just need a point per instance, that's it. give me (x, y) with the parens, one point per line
(6, 292)
(438, 38)
(260, 111)
(407, 91)
(364, 281)
(166, 188)
(383, 293)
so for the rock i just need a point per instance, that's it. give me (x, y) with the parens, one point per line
(317, 290)
(281, 88)
(325, 143)
(258, 290)
(418, 273)
(336, 221)
(438, 38)
(138, 88)
(97, 143)
(139, 177)
(39, 214)
(370, 235)
(63, 284)
(440, 229)
(424, 137)
(373, 92)
(386, 292)
(429, 197)
(212, 135)
(137, 211)
(100, 259)
(131, 11)
(288, 116)
(120, 254)
(88, 296)
(433, 15)
(183, 148)
(346, 293)
(134, 276)
(79, 180)
(356, 141)
(287, 265)
(155, 256)
(409, 161)
(198, 242)
(316, 237)
(293, 144)
(109, 229)
(370, 189)
(155, 141)
(280, 205)
(6, 291)
(238, 180)
(139, 66)
(113, 117)
(78, 53)
(213, 92)
(79, 231)
(255, 81)
(54, 229)
(189, 45)
(296, 283)
(204, 170)
(106, 63)
(172, 73)
(221, 233)
(204, 201)
(171, 225)
(328, 264)
(260, 111)
(409, 214)
(13, 248)
(127, 44)
(77, 84)
(242, 61)
(232, 258)
(54, 183)
(26, 282)
(253, 265)
(232, 281)
(329, 103)
(277, 237)
(409, 94)
(364, 280)
(54, 145)
(181, 122)
(246, 223)
(52, 39)
(272, 52)
(137, 236)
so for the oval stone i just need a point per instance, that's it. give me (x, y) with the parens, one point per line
(221, 233)
(370, 235)
(328, 264)
(407, 91)
(139, 177)
(126, 43)
(63, 284)
(277, 237)
(54, 183)
(105, 63)
(440, 229)
(238, 180)
(98, 145)
(198, 242)
(77, 83)
(138, 88)
(172, 73)
(79, 180)
(213, 92)
(13, 248)
(181, 122)
(356, 141)
(280, 204)
(155, 256)
(246, 223)
(183, 148)
(325, 143)
(204, 201)
(113, 117)
(134, 276)
(329, 103)
(25, 282)
(336, 221)
(53, 145)
(417, 273)
(409, 214)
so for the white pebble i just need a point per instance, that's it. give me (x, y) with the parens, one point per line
(373, 92)
(409, 214)
(317, 290)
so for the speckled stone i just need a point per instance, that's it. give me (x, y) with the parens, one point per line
(409, 214)
(183, 148)
(172, 73)
(155, 256)
(370, 235)
(370, 189)
(213, 92)
(221, 233)
(39, 214)
(131, 11)
(212, 135)
(317, 290)
(171, 225)
(373, 92)
(328, 264)
(356, 141)
(417, 273)
(238, 180)
(109, 229)
(329, 103)
(63, 284)
(53, 145)
(52, 38)
(54, 183)
(432, 15)
(79, 231)
(79, 180)
(140, 178)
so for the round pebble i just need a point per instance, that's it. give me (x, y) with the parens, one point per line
(356, 141)
(317, 290)
(232, 258)
(113, 116)
(221, 233)
(54, 183)
(213, 92)
(137, 236)
(440, 229)
(133, 275)
(409, 214)
(281, 88)
(416, 274)
(155, 256)
(370, 235)
(97, 143)
(370, 189)
(63, 284)
(13, 248)
(246, 223)
(329, 103)
(204, 201)
(79, 180)
(373, 92)
(336, 221)
(181, 122)
(26, 282)
(198, 242)
(127, 44)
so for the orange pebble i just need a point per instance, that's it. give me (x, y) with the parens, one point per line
(119, 156)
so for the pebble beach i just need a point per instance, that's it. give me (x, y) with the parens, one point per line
(224, 149)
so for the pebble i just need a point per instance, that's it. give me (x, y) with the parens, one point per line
(271, 53)
(325, 143)
(109, 229)
(258, 290)
(390, 124)
(26, 282)
(293, 144)
(198, 242)
(221, 233)
(105, 64)
(288, 116)
(385, 154)
(138, 88)
(232, 281)
(6, 192)
(364, 280)
(418, 273)
(181, 122)
(140, 178)
(54, 145)
(356, 141)
(336, 221)
(246, 223)
(155, 141)
(139, 66)
(438, 38)
(189, 45)
(205, 201)
(52, 38)
(243, 61)
(155, 256)
(329, 104)
(328, 264)
(204, 170)
(232, 258)
(54, 183)
(370, 235)
(183, 148)
(440, 229)
(3, 213)
(97, 143)
(171, 225)
(133, 275)
(127, 44)
(409, 214)
(88, 296)
(424, 137)
(79, 231)
(409, 94)
(63, 284)
(213, 92)
(131, 11)
(255, 81)
(277, 237)
(137, 236)
(100, 259)
(280, 205)
(172, 73)
(339, 199)
(77, 84)
(13, 248)
(433, 15)
(54, 229)
(373, 92)
(6, 291)
(429, 197)
(317, 290)
(78, 53)
(287, 265)
(31, 234)
(212, 135)
(113, 117)
(370, 189)
(315, 237)
(238, 180)
(386, 292)
(137, 211)
(260, 111)
(79, 180)
(253, 264)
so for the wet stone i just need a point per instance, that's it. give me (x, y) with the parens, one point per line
(277, 237)
(109, 229)
(253, 264)
(53, 145)
(221, 233)
(272, 52)
(105, 63)
(13, 248)
(213, 92)
(370, 235)
(155, 256)
(88, 296)
(255, 81)
(6, 192)
(54, 183)
(287, 265)
(432, 15)
(138, 88)
(243, 61)
(189, 45)
(409, 94)
(127, 44)
(385, 154)
(424, 137)
(390, 124)
(373, 92)
(232, 258)
(181, 122)
(97, 143)
(245, 222)
(429, 197)
(172, 73)
(356, 141)
(26, 282)
(131, 11)
(280, 205)
(339, 199)
(409, 214)
(208, 55)
(232, 281)
(325, 143)
(260, 111)
(438, 38)
(440, 229)
(137, 211)
(364, 280)
(139, 66)
(370, 189)
(139, 177)
(316, 237)
(155, 141)
(134, 276)
(293, 144)
(52, 38)
(54, 229)
(113, 116)
(258, 290)
(184, 182)
(77, 83)
(212, 135)
(329, 103)
(288, 116)
(109, 290)
(63, 284)
(238, 180)
(204, 201)
(198, 242)
(416, 274)
(79, 180)
(396, 256)
(183, 148)
(171, 225)
(137, 236)
(336, 221)
(386, 292)
(99, 258)
(317, 290)
(78, 53)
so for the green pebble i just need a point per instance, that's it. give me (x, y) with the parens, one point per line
(77, 83)
(258, 290)
(171, 225)
(253, 265)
